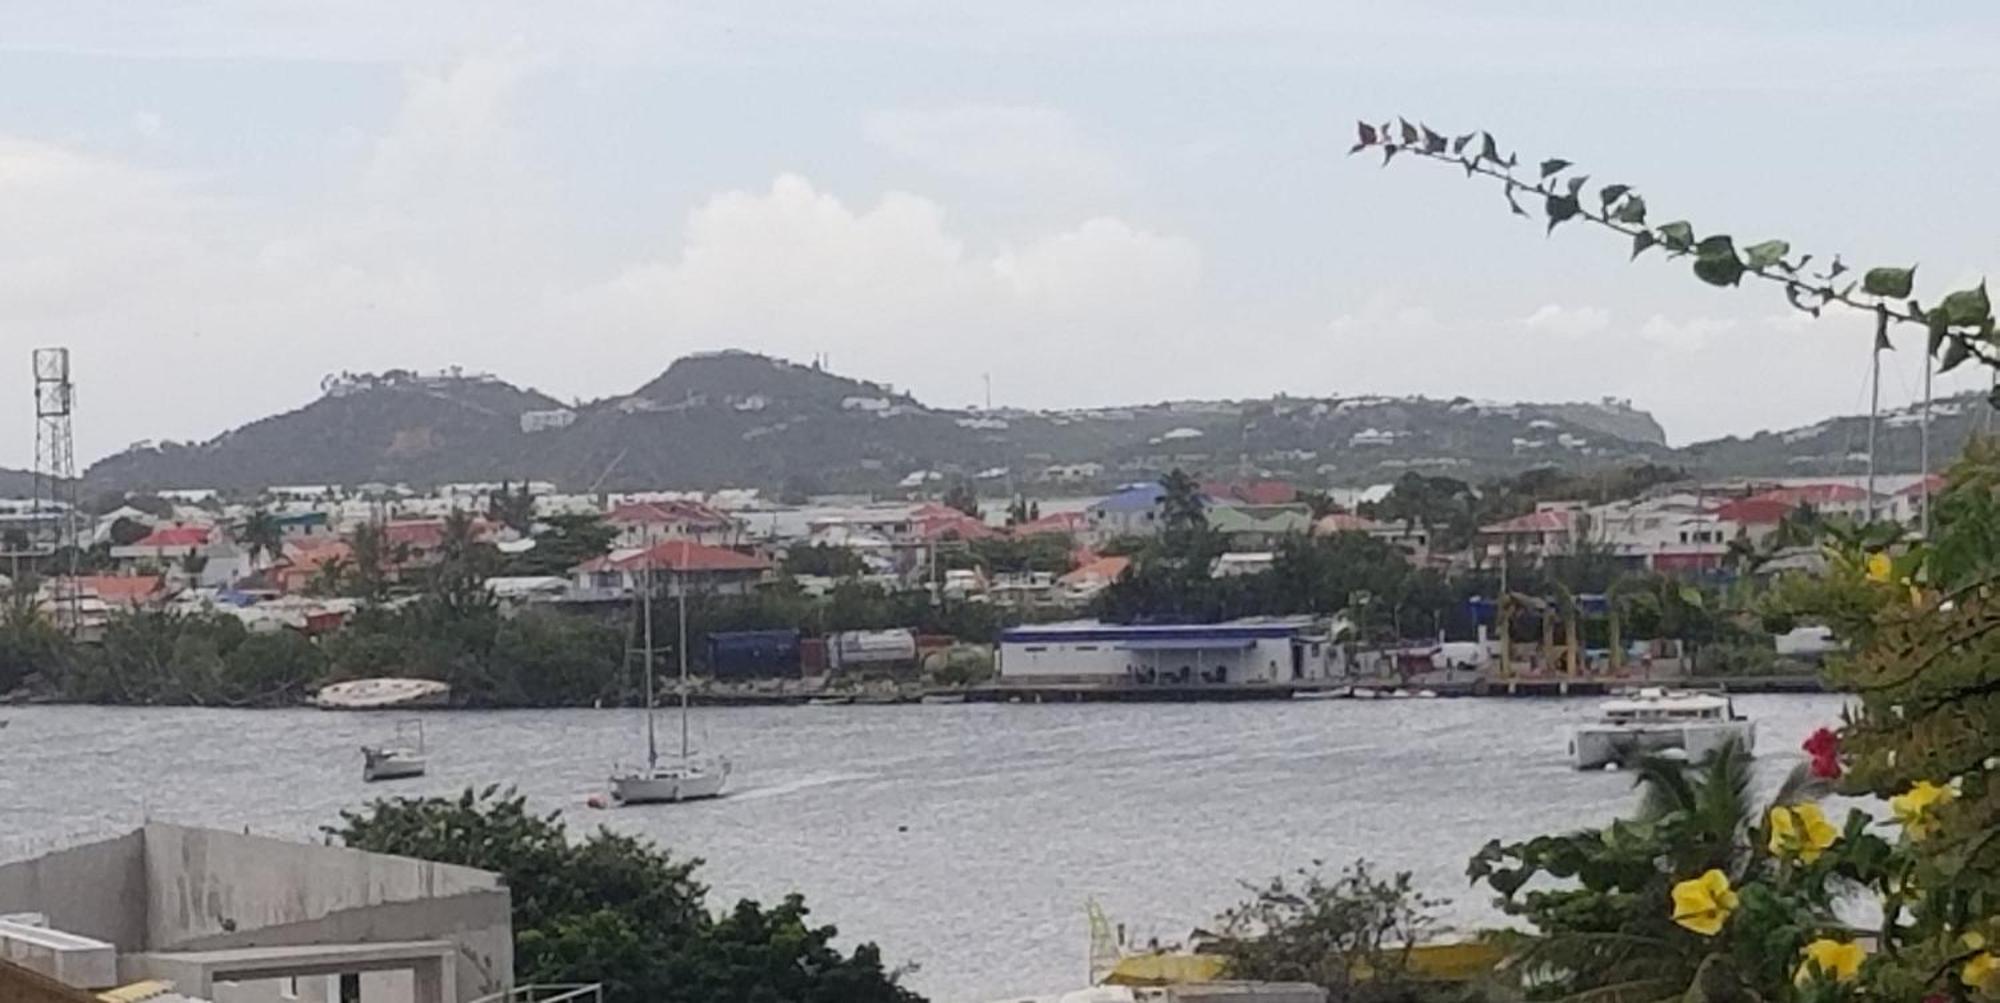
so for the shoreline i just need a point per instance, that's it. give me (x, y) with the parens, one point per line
(1015, 693)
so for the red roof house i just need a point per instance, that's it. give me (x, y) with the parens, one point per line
(704, 568)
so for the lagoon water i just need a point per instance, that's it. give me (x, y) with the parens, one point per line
(965, 839)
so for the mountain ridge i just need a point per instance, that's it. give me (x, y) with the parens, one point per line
(739, 419)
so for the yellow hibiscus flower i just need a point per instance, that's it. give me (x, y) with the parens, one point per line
(1917, 807)
(1703, 904)
(1982, 970)
(1801, 831)
(1880, 567)
(1839, 960)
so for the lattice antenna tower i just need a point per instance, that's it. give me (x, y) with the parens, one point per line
(55, 491)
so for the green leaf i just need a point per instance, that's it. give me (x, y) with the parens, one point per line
(1367, 136)
(1576, 184)
(1388, 153)
(1967, 306)
(1515, 206)
(1678, 236)
(1938, 327)
(1433, 143)
(1612, 193)
(1691, 596)
(1410, 135)
(1458, 145)
(1891, 282)
(1560, 208)
(1719, 269)
(1766, 254)
(1632, 212)
(1487, 149)
(1955, 352)
(1718, 244)
(1640, 241)
(1552, 165)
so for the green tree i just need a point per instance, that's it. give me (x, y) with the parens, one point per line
(1921, 616)
(260, 535)
(825, 560)
(1352, 934)
(126, 531)
(613, 909)
(512, 507)
(563, 542)
(963, 498)
(369, 554)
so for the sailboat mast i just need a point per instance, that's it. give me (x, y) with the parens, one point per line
(680, 586)
(652, 742)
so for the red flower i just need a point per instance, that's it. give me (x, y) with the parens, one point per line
(1824, 748)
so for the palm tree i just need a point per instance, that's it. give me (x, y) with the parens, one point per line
(260, 534)
(1613, 940)
(328, 578)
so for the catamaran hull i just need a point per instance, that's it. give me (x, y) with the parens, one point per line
(1596, 746)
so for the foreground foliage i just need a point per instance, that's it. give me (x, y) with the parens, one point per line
(613, 909)
(1923, 620)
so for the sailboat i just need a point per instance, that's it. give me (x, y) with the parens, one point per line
(395, 760)
(684, 778)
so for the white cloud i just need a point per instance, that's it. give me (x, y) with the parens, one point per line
(1693, 335)
(891, 292)
(1568, 322)
(1034, 149)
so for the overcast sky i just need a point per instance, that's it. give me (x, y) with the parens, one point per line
(216, 204)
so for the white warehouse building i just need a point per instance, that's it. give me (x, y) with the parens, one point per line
(1264, 650)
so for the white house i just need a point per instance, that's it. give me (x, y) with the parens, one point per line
(1274, 650)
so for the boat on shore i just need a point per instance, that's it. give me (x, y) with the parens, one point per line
(833, 701)
(943, 698)
(382, 694)
(1656, 720)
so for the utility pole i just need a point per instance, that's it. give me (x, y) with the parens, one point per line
(1875, 398)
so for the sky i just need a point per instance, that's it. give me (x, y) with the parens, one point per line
(215, 205)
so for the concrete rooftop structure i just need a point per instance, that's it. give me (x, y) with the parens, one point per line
(246, 919)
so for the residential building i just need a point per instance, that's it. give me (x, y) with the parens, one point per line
(1091, 577)
(1413, 540)
(248, 919)
(644, 522)
(1134, 510)
(674, 565)
(1258, 527)
(165, 546)
(1551, 531)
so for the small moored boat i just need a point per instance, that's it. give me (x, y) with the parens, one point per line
(1656, 720)
(396, 760)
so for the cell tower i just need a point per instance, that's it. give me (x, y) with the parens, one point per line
(55, 457)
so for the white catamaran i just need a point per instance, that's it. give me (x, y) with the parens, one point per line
(688, 777)
(1656, 720)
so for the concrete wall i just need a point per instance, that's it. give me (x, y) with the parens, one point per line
(96, 890)
(210, 890)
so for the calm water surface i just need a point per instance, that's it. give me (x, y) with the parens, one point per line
(964, 839)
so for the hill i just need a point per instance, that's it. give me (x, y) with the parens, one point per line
(1839, 445)
(737, 419)
(397, 426)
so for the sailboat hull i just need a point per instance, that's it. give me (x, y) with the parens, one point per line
(670, 784)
